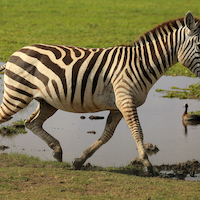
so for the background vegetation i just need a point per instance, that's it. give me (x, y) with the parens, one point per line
(192, 92)
(85, 23)
(91, 23)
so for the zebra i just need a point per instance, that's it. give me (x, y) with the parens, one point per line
(82, 80)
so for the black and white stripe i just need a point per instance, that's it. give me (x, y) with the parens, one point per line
(89, 80)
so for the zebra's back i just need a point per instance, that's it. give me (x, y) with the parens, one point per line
(69, 78)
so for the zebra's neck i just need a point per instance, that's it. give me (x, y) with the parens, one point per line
(157, 50)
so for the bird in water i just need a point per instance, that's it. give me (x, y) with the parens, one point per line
(189, 117)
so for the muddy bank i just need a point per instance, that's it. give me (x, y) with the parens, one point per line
(189, 169)
(180, 170)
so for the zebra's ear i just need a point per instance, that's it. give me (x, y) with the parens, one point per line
(190, 22)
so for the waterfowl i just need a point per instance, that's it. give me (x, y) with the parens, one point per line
(189, 117)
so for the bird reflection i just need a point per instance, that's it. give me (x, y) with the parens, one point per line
(189, 119)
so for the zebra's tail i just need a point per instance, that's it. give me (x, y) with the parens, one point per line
(2, 67)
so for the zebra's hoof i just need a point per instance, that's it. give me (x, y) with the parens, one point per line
(77, 164)
(57, 155)
(149, 171)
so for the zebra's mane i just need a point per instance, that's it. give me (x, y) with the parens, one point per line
(171, 24)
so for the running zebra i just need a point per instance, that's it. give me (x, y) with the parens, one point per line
(85, 80)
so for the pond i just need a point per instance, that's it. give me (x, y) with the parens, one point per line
(161, 121)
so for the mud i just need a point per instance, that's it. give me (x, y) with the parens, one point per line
(178, 171)
(151, 149)
(3, 147)
(189, 170)
(5, 131)
(19, 126)
(91, 132)
(92, 117)
(96, 117)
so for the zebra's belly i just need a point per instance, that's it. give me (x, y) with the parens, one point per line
(99, 101)
(86, 107)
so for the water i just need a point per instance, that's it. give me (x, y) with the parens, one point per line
(161, 121)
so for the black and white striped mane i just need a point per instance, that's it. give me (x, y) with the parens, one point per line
(170, 25)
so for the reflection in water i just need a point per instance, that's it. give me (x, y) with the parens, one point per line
(160, 120)
(190, 123)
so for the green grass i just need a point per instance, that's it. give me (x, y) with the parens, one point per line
(11, 131)
(179, 70)
(192, 92)
(24, 177)
(196, 112)
(89, 23)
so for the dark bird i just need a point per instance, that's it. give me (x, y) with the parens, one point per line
(189, 117)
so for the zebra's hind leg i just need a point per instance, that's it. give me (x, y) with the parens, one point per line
(35, 122)
(112, 121)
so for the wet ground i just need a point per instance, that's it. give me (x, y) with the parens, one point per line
(189, 170)
(160, 119)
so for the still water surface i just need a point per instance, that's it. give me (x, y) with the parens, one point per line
(160, 119)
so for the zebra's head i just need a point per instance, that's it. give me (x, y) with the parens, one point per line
(189, 51)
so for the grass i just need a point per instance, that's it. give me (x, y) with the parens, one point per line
(179, 70)
(196, 112)
(22, 177)
(85, 23)
(13, 130)
(192, 92)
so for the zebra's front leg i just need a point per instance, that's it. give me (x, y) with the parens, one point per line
(129, 112)
(113, 119)
(35, 122)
